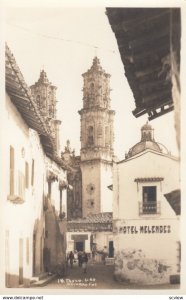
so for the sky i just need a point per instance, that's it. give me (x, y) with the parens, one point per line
(64, 42)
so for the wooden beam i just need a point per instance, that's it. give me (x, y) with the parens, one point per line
(162, 112)
(150, 37)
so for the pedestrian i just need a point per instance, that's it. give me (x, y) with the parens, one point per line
(75, 256)
(104, 255)
(80, 258)
(71, 258)
(84, 260)
(93, 255)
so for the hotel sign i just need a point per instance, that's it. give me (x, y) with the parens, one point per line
(144, 229)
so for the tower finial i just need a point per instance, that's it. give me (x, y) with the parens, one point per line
(96, 61)
(67, 147)
(95, 51)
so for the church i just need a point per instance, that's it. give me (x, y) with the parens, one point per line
(90, 201)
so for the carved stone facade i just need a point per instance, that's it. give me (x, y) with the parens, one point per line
(96, 141)
(45, 94)
(74, 194)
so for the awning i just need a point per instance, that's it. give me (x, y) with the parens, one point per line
(174, 199)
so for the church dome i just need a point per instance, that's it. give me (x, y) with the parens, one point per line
(142, 146)
(147, 142)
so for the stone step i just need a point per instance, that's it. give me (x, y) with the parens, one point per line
(39, 277)
(44, 281)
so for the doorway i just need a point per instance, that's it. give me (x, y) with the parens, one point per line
(111, 249)
(20, 261)
(34, 254)
(79, 246)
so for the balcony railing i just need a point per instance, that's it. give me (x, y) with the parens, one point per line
(149, 208)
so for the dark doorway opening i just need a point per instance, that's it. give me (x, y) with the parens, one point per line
(79, 246)
(111, 249)
(20, 261)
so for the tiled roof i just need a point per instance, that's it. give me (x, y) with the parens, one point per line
(148, 179)
(20, 95)
(93, 223)
(95, 218)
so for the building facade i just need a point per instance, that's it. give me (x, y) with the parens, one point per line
(96, 141)
(145, 226)
(34, 184)
(90, 202)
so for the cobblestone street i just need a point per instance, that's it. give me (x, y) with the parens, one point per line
(98, 276)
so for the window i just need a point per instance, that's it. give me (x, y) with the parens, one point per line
(26, 175)
(149, 193)
(11, 170)
(149, 204)
(90, 135)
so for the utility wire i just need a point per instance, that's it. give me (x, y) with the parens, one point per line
(59, 38)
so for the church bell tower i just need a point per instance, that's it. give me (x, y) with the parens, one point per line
(45, 94)
(96, 141)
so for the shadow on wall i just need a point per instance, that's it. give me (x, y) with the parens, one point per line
(43, 252)
(13, 281)
(132, 266)
(55, 240)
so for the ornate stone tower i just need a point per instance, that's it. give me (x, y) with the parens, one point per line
(96, 141)
(45, 95)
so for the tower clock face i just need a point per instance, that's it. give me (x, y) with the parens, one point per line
(90, 188)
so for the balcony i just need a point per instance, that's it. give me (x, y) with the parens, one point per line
(149, 208)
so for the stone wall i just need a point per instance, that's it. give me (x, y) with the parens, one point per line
(132, 265)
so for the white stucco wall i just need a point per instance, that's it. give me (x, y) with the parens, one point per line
(106, 194)
(19, 218)
(148, 164)
(153, 236)
(20, 221)
(90, 175)
(102, 240)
